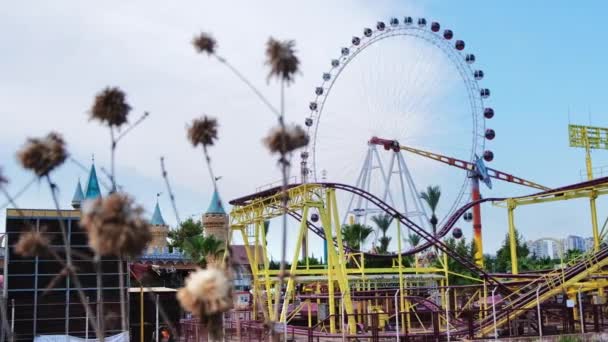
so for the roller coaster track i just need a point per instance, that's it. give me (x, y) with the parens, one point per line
(547, 286)
(524, 298)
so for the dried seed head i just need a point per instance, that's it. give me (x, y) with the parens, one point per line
(204, 42)
(42, 155)
(3, 179)
(110, 107)
(207, 292)
(31, 243)
(115, 226)
(203, 131)
(282, 60)
(294, 137)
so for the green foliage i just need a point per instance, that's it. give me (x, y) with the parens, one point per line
(431, 196)
(569, 339)
(383, 222)
(187, 230)
(203, 249)
(312, 261)
(384, 242)
(466, 250)
(572, 254)
(503, 255)
(413, 239)
(355, 234)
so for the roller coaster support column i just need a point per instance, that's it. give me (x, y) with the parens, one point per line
(294, 264)
(401, 307)
(336, 268)
(512, 236)
(594, 225)
(475, 196)
(343, 278)
(267, 281)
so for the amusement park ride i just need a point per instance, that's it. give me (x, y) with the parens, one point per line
(394, 292)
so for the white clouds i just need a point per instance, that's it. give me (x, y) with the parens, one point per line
(58, 55)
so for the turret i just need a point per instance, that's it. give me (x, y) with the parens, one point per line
(159, 230)
(215, 220)
(92, 190)
(78, 196)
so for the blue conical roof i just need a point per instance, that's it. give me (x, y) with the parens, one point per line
(215, 207)
(78, 195)
(92, 191)
(157, 217)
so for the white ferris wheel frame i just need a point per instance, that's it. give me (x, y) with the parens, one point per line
(390, 30)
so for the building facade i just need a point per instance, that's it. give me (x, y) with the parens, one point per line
(574, 242)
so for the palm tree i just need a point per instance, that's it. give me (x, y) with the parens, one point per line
(355, 234)
(413, 239)
(383, 222)
(204, 249)
(431, 197)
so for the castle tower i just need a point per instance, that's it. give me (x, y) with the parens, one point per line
(92, 190)
(78, 196)
(215, 220)
(159, 230)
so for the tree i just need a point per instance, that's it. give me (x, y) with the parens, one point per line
(383, 222)
(413, 239)
(204, 249)
(431, 197)
(187, 230)
(503, 255)
(354, 235)
(572, 254)
(465, 250)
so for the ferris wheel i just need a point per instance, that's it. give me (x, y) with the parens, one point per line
(409, 81)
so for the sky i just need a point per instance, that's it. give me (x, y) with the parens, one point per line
(544, 62)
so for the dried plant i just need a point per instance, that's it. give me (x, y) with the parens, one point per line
(31, 244)
(203, 131)
(286, 140)
(115, 226)
(3, 179)
(207, 294)
(281, 58)
(42, 155)
(110, 107)
(204, 43)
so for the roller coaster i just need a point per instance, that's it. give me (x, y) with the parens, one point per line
(346, 279)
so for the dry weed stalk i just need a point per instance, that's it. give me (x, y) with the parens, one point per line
(165, 175)
(115, 226)
(32, 243)
(207, 294)
(111, 108)
(42, 155)
(284, 64)
(203, 131)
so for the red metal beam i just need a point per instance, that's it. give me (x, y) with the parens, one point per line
(503, 176)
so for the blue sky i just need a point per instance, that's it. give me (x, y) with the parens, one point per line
(541, 60)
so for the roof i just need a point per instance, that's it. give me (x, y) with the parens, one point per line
(157, 217)
(78, 194)
(216, 207)
(239, 254)
(92, 191)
